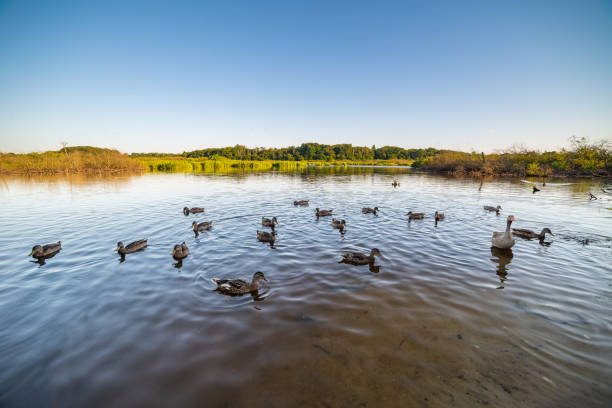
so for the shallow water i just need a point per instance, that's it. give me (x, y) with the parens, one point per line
(444, 321)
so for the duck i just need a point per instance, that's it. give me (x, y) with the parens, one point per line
(45, 251)
(180, 251)
(192, 210)
(338, 224)
(239, 286)
(535, 189)
(203, 226)
(439, 216)
(131, 247)
(264, 236)
(528, 234)
(357, 258)
(301, 202)
(323, 213)
(395, 183)
(415, 216)
(267, 222)
(504, 240)
(367, 210)
(491, 208)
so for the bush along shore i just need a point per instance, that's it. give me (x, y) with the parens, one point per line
(583, 160)
(77, 159)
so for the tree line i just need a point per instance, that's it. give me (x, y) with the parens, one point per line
(306, 151)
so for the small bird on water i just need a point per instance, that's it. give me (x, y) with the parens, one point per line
(46, 251)
(131, 247)
(239, 286)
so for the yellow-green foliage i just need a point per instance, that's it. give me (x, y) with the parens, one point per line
(585, 158)
(219, 164)
(70, 160)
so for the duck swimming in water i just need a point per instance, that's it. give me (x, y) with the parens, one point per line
(269, 222)
(395, 183)
(46, 251)
(239, 286)
(491, 208)
(131, 247)
(301, 202)
(504, 240)
(180, 252)
(203, 226)
(264, 236)
(529, 234)
(338, 224)
(535, 189)
(192, 210)
(357, 258)
(323, 213)
(415, 216)
(368, 210)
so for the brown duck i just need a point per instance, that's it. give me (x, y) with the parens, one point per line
(45, 251)
(323, 213)
(415, 216)
(529, 234)
(192, 210)
(239, 286)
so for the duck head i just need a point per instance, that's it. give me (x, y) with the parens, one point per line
(119, 245)
(36, 250)
(177, 248)
(374, 252)
(546, 231)
(259, 276)
(185, 210)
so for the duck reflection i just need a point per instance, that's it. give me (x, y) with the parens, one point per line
(502, 257)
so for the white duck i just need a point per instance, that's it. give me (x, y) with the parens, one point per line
(504, 240)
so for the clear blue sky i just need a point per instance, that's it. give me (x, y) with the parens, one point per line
(180, 75)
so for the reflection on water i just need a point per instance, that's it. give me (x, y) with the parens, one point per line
(502, 257)
(424, 326)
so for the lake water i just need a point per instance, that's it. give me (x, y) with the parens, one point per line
(444, 320)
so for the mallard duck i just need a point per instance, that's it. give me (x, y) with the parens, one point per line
(301, 202)
(203, 226)
(45, 251)
(491, 208)
(239, 286)
(357, 258)
(267, 222)
(415, 216)
(535, 189)
(439, 216)
(528, 234)
(193, 210)
(368, 210)
(131, 247)
(323, 213)
(504, 240)
(395, 183)
(264, 236)
(180, 251)
(338, 224)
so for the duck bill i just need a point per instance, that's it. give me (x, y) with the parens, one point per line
(173, 252)
(32, 252)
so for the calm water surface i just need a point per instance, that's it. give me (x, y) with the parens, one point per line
(445, 321)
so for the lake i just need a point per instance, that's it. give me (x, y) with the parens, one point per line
(444, 320)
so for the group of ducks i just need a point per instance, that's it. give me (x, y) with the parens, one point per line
(501, 240)
(505, 240)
